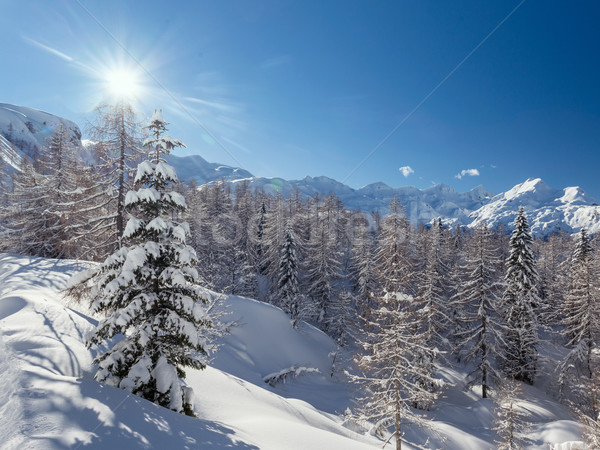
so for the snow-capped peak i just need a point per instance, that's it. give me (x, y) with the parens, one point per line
(534, 188)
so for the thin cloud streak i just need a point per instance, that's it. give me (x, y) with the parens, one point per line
(51, 50)
(211, 104)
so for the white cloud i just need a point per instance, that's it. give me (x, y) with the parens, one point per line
(406, 170)
(467, 172)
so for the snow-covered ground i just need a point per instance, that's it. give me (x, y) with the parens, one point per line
(49, 400)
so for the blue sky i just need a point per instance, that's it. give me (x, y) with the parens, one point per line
(296, 88)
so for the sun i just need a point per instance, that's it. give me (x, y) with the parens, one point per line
(123, 84)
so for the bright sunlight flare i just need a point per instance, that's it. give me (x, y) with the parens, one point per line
(123, 83)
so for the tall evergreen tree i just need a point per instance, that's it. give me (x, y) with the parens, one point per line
(288, 293)
(322, 270)
(581, 326)
(362, 270)
(393, 255)
(519, 303)
(480, 336)
(147, 291)
(435, 286)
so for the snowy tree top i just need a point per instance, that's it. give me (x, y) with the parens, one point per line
(157, 120)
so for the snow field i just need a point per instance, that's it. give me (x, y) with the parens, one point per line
(54, 403)
(48, 399)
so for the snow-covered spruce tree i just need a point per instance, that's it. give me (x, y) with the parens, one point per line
(287, 285)
(509, 421)
(147, 291)
(581, 327)
(480, 335)
(519, 304)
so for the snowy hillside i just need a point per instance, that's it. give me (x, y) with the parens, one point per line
(196, 168)
(25, 131)
(48, 399)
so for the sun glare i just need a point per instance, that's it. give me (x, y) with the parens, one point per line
(123, 84)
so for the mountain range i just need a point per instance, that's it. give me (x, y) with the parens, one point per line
(23, 131)
(549, 210)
